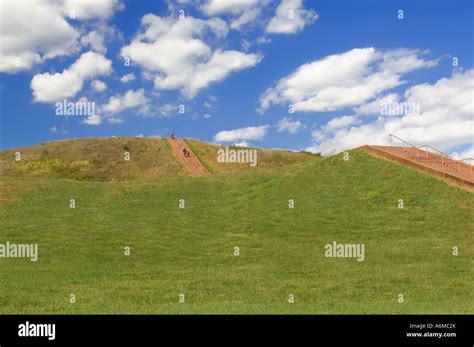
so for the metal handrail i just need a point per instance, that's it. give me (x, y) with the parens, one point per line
(437, 150)
(442, 154)
(391, 136)
(447, 162)
(456, 161)
(470, 162)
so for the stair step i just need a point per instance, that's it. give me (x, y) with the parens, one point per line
(191, 163)
(428, 161)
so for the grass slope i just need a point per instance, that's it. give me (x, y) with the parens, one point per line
(103, 159)
(98, 159)
(190, 250)
(267, 159)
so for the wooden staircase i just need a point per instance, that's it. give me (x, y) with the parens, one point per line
(429, 160)
(191, 163)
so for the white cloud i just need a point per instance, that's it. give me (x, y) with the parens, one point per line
(93, 120)
(221, 64)
(286, 124)
(98, 86)
(219, 7)
(167, 110)
(247, 17)
(95, 40)
(242, 12)
(263, 40)
(97, 37)
(127, 78)
(340, 122)
(343, 80)
(114, 120)
(207, 116)
(50, 88)
(242, 144)
(88, 9)
(131, 99)
(290, 17)
(33, 31)
(446, 120)
(468, 153)
(58, 130)
(185, 62)
(250, 133)
(374, 108)
(333, 125)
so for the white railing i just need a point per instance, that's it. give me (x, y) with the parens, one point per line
(446, 159)
(391, 137)
(470, 162)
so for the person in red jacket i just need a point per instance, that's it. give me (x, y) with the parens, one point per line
(172, 135)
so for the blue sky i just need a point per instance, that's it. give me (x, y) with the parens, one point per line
(336, 62)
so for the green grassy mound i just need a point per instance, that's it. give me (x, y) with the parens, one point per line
(81, 251)
(267, 159)
(99, 159)
(103, 159)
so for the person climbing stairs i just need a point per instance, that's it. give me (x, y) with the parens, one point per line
(186, 157)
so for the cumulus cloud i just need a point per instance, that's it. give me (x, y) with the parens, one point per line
(97, 37)
(121, 102)
(93, 120)
(344, 80)
(242, 12)
(340, 122)
(247, 17)
(95, 40)
(242, 144)
(219, 7)
(173, 52)
(218, 67)
(290, 18)
(88, 9)
(286, 124)
(446, 120)
(98, 86)
(114, 120)
(34, 31)
(31, 31)
(242, 134)
(167, 110)
(127, 78)
(50, 88)
(374, 108)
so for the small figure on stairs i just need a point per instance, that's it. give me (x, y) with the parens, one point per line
(189, 153)
(184, 152)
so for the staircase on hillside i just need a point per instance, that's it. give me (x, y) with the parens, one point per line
(191, 163)
(428, 159)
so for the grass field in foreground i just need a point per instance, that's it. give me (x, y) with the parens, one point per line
(191, 250)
